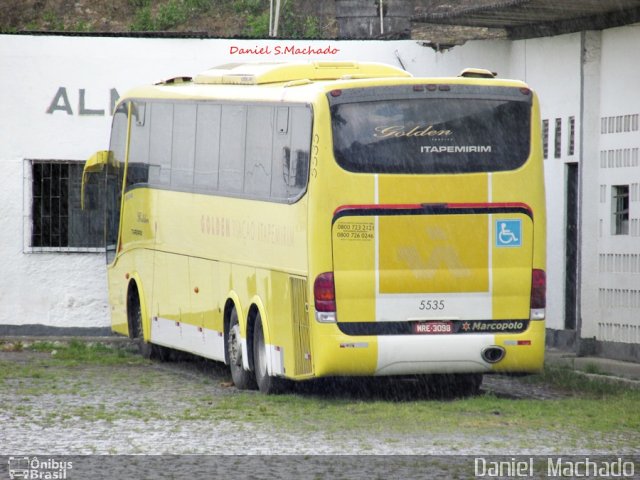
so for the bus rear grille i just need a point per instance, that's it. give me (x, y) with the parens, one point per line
(300, 326)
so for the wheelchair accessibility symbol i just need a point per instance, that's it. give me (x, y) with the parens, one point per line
(508, 233)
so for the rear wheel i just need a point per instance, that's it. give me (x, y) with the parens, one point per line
(242, 378)
(266, 383)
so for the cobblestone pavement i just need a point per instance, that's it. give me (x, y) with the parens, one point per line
(155, 408)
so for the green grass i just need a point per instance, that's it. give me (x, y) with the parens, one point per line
(486, 412)
(574, 383)
(77, 352)
(91, 371)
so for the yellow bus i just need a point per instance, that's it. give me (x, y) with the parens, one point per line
(303, 220)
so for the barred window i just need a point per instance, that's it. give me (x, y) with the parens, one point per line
(57, 221)
(620, 209)
(545, 139)
(557, 153)
(572, 136)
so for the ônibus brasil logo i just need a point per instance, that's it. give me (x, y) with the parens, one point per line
(36, 469)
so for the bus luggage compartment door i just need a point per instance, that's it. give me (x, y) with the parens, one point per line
(423, 264)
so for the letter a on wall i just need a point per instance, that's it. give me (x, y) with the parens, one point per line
(61, 96)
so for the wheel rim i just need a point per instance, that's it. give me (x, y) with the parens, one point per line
(262, 356)
(235, 350)
(138, 320)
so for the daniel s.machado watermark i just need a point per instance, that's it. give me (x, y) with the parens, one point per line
(555, 467)
(284, 49)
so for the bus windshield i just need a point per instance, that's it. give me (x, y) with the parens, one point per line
(438, 134)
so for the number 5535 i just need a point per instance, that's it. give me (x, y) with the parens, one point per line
(431, 305)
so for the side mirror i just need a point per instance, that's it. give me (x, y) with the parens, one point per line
(95, 164)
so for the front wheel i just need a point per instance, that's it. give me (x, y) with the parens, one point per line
(266, 383)
(134, 313)
(242, 379)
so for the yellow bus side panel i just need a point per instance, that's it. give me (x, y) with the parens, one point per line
(205, 293)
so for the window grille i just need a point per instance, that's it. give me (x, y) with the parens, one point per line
(57, 221)
(558, 139)
(620, 208)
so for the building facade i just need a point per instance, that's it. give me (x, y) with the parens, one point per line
(59, 95)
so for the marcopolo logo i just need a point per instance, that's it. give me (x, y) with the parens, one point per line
(494, 326)
(38, 469)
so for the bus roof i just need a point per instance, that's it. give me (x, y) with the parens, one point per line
(275, 81)
(262, 73)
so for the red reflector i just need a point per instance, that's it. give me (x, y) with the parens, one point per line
(431, 87)
(524, 342)
(525, 91)
(324, 293)
(336, 93)
(538, 288)
(418, 88)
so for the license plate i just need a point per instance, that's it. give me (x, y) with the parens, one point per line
(432, 327)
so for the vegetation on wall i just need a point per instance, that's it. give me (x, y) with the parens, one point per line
(221, 18)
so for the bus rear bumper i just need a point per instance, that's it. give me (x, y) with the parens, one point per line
(339, 354)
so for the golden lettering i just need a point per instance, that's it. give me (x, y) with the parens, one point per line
(404, 131)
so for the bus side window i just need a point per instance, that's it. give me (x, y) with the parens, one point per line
(138, 169)
(207, 153)
(161, 143)
(286, 165)
(294, 172)
(232, 148)
(300, 128)
(301, 169)
(283, 120)
(281, 154)
(257, 169)
(183, 145)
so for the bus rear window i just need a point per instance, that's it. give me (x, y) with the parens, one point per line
(431, 135)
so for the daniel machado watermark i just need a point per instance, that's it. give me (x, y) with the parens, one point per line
(555, 467)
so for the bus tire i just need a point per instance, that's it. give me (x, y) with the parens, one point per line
(134, 313)
(266, 384)
(242, 379)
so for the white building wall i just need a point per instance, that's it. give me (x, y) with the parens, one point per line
(617, 316)
(551, 66)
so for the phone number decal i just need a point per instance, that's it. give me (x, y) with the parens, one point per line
(355, 231)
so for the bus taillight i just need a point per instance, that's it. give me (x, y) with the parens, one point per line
(324, 293)
(538, 293)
